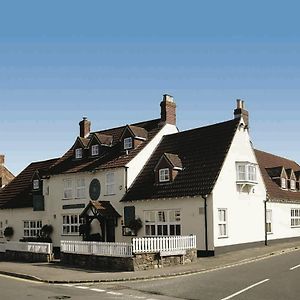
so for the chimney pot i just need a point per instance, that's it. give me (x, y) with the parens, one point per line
(85, 127)
(168, 110)
(240, 111)
(2, 159)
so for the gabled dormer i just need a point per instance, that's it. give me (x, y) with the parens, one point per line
(291, 179)
(36, 182)
(133, 136)
(279, 176)
(167, 168)
(37, 192)
(97, 143)
(80, 147)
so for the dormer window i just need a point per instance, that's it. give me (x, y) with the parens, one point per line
(283, 183)
(293, 184)
(36, 184)
(78, 153)
(164, 175)
(95, 150)
(128, 143)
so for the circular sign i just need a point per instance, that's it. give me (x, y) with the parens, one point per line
(95, 189)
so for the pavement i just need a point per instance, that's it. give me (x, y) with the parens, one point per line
(54, 272)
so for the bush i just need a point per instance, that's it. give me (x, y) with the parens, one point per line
(135, 225)
(8, 232)
(46, 231)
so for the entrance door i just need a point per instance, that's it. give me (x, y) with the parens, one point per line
(110, 230)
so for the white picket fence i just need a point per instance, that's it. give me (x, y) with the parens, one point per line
(97, 248)
(45, 248)
(139, 245)
(164, 243)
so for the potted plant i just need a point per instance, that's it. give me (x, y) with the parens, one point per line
(135, 225)
(8, 232)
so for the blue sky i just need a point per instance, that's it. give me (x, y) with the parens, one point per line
(113, 60)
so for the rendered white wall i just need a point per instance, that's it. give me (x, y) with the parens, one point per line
(245, 210)
(281, 221)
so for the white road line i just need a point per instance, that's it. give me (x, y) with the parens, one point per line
(98, 290)
(114, 293)
(246, 289)
(81, 287)
(293, 268)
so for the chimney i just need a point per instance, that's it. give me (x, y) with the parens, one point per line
(85, 127)
(168, 110)
(2, 159)
(240, 111)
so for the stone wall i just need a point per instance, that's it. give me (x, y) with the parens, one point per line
(26, 256)
(145, 261)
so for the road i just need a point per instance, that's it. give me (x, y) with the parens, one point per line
(276, 277)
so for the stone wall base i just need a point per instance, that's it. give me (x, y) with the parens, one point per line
(145, 261)
(26, 256)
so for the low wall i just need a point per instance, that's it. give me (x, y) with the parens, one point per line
(144, 261)
(26, 256)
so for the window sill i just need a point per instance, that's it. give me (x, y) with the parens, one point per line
(269, 233)
(73, 234)
(223, 237)
(110, 194)
(298, 226)
(68, 199)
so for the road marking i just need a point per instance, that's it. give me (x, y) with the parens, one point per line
(245, 289)
(81, 287)
(114, 293)
(98, 290)
(293, 268)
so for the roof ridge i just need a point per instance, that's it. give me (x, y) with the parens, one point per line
(281, 157)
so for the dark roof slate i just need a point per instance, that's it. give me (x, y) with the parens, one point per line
(111, 157)
(17, 194)
(268, 161)
(138, 131)
(202, 152)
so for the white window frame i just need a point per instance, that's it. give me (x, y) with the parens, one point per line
(223, 224)
(80, 188)
(78, 153)
(32, 228)
(70, 224)
(293, 184)
(164, 175)
(128, 143)
(95, 150)
(110, 186)
(161, 223)
(295, 217)
(68, 188)
(269, 219)
(283, 183)
(246, 171)
(36, 184)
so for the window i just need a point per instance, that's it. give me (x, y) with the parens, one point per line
(68, 188)
(246, 171)
(78, 153)
(95, 150)
(164, 175)
(128, 143)
(293, 184)
(269, 221)
(283, 183)
(164, 222)
(71, 224)
(295, 217)
(36, 184)
(222, 222)
(80, 188)
(32, 228)
(110, 183)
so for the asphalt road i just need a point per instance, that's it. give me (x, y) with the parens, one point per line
(276, 277)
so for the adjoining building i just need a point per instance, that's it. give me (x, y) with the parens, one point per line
(5, 175)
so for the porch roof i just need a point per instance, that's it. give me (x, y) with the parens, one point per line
(103, 208)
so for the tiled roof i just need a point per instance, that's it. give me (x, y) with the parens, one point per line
(104, 138)
(174, 160)
(104, 208)
(111, 157)
(202, 152)
(17, 193)
(138, 131)
(269, 161)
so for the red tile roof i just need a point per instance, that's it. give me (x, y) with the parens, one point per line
(17, 194)
(202, 152)
(268, 161)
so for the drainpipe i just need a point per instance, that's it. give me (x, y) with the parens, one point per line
(265, 210)
(205, 220)
(126, 178)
